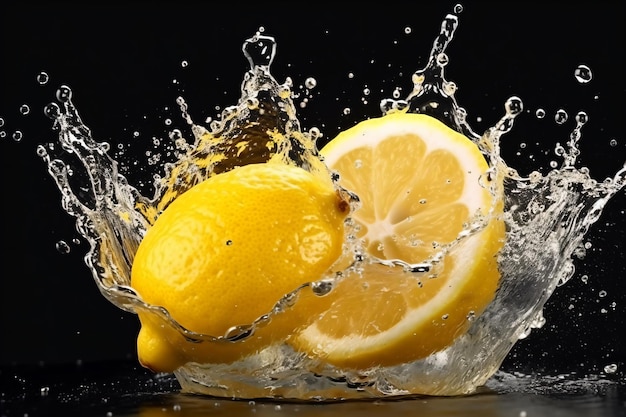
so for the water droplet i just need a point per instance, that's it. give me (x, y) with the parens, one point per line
(407, 30)
(449, 88)
(582, 118)
(602, 294)
(17, 135)
(1, 122)
(310, 83)
(259, 50)
(62, 247)
(24, 109)
(611, 368)
(52, 110)
(540, 113)
(458, 8)
(445, 317)
(560, 116)
(184, 64)
(238, 333)
(168, 122)
(350, 75)
(514, 106)
(44, 391)
(366, 91)
(42, 78)
(322, 287)
(613, 142)
(442, 59)
(583, 74)
(584, 278)
(346, 111)
(64, 94)
(229, 242)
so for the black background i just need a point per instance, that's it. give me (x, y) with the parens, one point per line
(124, 64)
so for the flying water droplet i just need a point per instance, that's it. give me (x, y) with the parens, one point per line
(583, 74)
(43, 78)
(560, 116)
(62, 247)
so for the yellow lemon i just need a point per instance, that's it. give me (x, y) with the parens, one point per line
(225, 252)
(423, 187)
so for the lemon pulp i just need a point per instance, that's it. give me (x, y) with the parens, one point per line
(421, 186)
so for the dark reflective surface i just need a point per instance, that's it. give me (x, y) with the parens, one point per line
(125, 389)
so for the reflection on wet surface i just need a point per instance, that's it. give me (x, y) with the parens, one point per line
(125, 389)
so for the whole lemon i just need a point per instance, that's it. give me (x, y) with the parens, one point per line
(225, 252)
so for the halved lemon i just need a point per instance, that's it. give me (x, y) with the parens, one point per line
(425, 198)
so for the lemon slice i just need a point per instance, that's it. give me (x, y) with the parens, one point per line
(422, 186)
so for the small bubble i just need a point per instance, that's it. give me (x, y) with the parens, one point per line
(540, 113)
(514, 106)
(442, 59)
(62, 247)
(17, 135)
(449, 88)
(611, 368)
(24, 109)
(64, 94)
(229, 242)
(52, 110)
(310, 83)
(560, 116)
(583, 74)
(582, 117)
(321, 288)
(42, 78)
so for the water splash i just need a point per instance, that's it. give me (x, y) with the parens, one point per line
(547, 217)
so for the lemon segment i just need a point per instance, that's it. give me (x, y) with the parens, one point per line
(420, 184)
